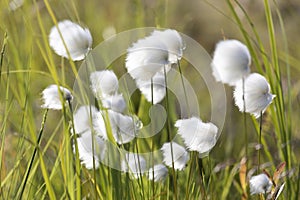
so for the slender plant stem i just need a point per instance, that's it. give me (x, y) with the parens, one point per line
(2, 53)
(184, 90)
(108, 172)
(200, 166)
(259, 140)
(98, 106)
(77, 161)
(245, 121)
(152, 144)
(189, 176)
(298, 184)
(93, 153)
(34, 153)
(169, 137)
(63, 76)
(139, 171)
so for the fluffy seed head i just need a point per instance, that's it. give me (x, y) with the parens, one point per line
(77, 40)
(134, 164)
(86, 152)
(123, 127)
(180, 155)
(260, 184)
(257, 94)
(160, 173)
(158, 88)
(88, 118)
(52, 97)
(151, 54)
(115, 102)
(231, 61)
(104, 83)
(197, 135)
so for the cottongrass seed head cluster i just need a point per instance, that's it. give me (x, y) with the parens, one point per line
(148, 62)
(231, 65)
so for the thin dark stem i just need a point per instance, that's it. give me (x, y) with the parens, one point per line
(245, 121)
(34, 153)
(2, 53)
(259, 140)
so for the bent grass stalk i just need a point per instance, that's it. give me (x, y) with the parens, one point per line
(56, 164)
(275, 77)
(288, 113)
(33, 155)
(48, 184)
(68, 160)
(2, 53)
(5, 115)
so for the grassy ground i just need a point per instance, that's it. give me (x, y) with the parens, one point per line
(28, 65)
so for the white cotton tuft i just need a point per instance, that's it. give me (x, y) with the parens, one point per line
(123, 127)
(260, 184)
(146, 57)
(104, 83)
(134, 164)
(88, 118)
(86, 152)
(257, 94)
(231, 61)
(197, 135)
(180, 155)
(160, 173)
(52, 98)
(158, 88)
(151, 54)
(173, 41)
(78, 40)
(115, 102)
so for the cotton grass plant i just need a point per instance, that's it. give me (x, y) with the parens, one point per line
(54, 147)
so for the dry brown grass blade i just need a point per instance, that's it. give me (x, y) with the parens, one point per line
(267, 173)
(278, 171)
(243, 176)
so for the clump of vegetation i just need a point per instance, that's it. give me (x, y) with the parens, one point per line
(92, 108)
